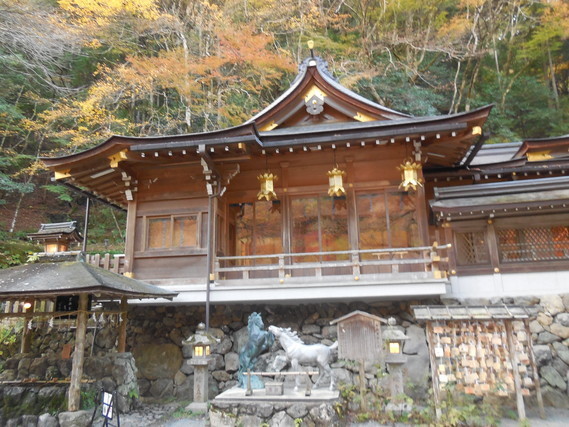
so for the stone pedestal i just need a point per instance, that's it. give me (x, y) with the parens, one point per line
(200, 385)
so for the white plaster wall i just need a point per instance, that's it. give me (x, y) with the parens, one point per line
(511, 284)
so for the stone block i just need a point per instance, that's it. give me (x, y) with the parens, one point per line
(417, 342)
(324, 415)
(552, 304)
(216, 362)
(47, 420)
(221, 375)
(223, 347)
(75, 419)
(565, 299)
(187, 368)
(220, 419)
(187, 351)
(106, 337)
(24, 367)
(162, 388)
(281, 419)
(29, 421)
(554, 397)
(311, 329)
(542, 354)
(176, 336)
(560, 366)
(330, 332)
(562, 319)
(64, 366)
(525, 300)
(559, 330)
(547, 338)
(157, 361)
(143, 386)
(553, 378)
(231, 362)
(544, 319)
(298, 410)
(179, 378)
(249, 421)
(562, 352)
(535, 327)
(185, 391)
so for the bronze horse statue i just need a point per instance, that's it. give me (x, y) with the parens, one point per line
(259, 342)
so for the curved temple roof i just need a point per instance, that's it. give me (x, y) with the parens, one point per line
(315, 113)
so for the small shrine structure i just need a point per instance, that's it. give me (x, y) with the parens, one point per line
(28, 288)
(57, 237)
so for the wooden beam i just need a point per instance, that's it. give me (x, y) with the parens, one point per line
(122, 326)
(533, 365)
(516, 372)
(74, 396)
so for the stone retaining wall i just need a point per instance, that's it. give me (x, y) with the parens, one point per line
(155, 336)
(156, 333)
(113, 372)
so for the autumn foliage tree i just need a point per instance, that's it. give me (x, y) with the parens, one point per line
(75, 72)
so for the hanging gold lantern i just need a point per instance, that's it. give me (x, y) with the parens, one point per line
(335, 177)
(410, 175)
(267, 192)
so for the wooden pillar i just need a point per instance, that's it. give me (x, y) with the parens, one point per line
(210, 254)
(26, 343)
(86, 225)
(533, 365)
(129, 244)
(74, 397)
(435, 377)
(516, 373)
(421, 213)
(122, 327)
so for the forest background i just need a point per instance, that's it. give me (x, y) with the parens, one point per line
(74, 72)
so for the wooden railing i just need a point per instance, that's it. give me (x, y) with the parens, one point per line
(114, 263)
(355, 263)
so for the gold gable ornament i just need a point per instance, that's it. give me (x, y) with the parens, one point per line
(335, 177)
(267, 186)
(410, 175)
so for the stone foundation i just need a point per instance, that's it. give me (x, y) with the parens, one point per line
(156, 333)
(114, 372)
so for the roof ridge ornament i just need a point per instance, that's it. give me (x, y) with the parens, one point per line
(314, 61)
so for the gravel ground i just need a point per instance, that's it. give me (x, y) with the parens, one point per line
(173, 415)
(158, 415)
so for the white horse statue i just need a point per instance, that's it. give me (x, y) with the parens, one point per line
(307, 354)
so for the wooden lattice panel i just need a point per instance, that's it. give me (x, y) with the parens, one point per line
(472, 248)
(533, 243)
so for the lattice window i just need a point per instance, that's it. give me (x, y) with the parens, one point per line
(533, 244)
(472, 248)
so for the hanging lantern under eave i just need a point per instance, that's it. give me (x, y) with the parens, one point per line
(336, 180)
(410, 175)
(267, 192)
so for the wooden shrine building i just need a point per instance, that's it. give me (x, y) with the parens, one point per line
(327, 196)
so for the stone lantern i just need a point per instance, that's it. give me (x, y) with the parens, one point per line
(395, 359)
(200, 343)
